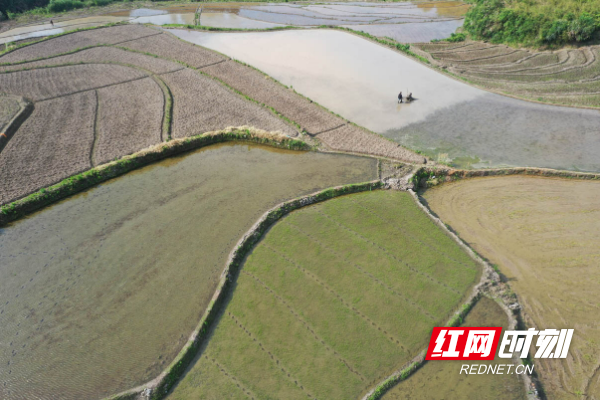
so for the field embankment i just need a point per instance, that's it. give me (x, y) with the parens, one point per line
(333, 299)
(542, 233)
(569, 76)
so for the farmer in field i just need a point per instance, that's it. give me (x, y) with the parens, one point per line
(51, 22)
(400, 97)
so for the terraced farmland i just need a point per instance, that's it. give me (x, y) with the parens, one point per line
(105, 93)
(543, 234)
(336, 296)
(442, 379)
(569, 76)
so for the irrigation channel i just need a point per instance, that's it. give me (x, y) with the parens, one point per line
(449, 120)
(100, 291)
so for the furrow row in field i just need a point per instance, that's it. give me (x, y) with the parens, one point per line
(387, 252)
(337, 295)
(275, 359)
(361, 269)
(306, 324)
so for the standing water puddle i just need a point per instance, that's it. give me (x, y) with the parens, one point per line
(449, 120)
(99, 292)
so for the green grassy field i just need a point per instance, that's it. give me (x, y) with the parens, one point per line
(333, 299)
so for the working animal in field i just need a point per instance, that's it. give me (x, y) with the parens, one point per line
(409, 98)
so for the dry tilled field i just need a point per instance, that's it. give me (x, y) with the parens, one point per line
(104, 93)
(569, 76)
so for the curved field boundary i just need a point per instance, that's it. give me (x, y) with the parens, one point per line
(160, 386)
(16, 121)
(489, 280)
(104, 172)
(432, 176)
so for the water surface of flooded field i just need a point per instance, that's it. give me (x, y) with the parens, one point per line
(449, 120)
(99, 292)
(47, 29)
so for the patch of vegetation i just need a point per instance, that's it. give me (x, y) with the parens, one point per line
(536, 22)
(335, 297)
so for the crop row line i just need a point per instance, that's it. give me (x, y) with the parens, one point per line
(338, 296)
(397, 228)
(415, 270)
(306, 324)
(374, 278)
(246, 391)
(275, 359)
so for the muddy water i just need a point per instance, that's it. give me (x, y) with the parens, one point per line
(449, 120)
(47, 29)
(414, 32)
(99, 292)
(442, 379)
(214, 19)
(543, 234)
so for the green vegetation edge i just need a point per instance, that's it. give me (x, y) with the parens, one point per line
(102, 173)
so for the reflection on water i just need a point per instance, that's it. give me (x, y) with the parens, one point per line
(214, 19)
(47, 29)
(360, 80)
(100, 291)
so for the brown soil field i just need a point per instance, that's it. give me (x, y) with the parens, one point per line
(57, 137)
(101, 55)
(131, 108)
(167, 46)
(49, 83)
(353, 139)
(201, 104)
(9, 107)
(247, 80)
(568, 77)
(63, 44)
(442, 379)
(121, 131)
(543, 234)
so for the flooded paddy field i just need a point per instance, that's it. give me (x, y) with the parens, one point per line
(449, 120)
(567, 76)
(108, 100)
(404, 21)
(543, 234)
(335, 297)
(99, 292)
(442, 380)
(47, 29)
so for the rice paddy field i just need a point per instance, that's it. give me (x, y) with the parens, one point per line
(335, 297)
(543, 234)
(100, 292)
(121, 89)
(84, 316)
(566, 76)
(449, 121)
(442, 380)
